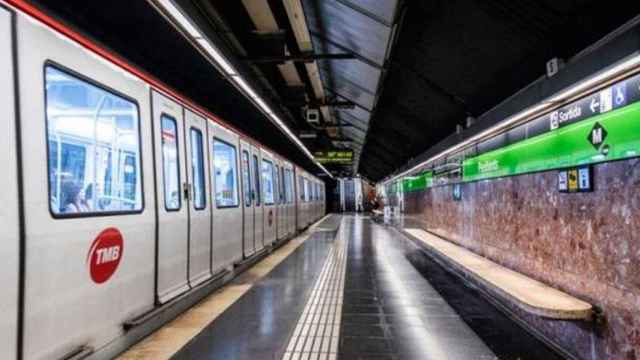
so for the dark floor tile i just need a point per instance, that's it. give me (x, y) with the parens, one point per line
(363, 345)
(361, 319)
(360, 330)
(361, 309)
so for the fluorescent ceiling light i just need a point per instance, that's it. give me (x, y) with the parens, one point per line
(185, 24)
(177, 15)
(577, 90)
(217, 57)
(245, 87)
(602, 76)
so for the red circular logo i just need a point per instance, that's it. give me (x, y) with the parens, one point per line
(105, 254)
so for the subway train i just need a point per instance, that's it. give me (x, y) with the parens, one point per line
(120, 196)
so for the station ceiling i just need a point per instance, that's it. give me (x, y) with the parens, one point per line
(407, 72)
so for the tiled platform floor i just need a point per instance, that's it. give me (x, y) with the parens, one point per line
(392, 306)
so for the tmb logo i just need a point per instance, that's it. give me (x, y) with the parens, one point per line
(105, 254)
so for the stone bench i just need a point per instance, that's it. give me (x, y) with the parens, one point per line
(526, 293)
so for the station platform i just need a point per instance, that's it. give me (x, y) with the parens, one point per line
(348, 288)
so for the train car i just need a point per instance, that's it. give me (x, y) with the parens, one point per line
(121, 195)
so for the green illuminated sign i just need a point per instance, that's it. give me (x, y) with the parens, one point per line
(610, 136)
(417, 183)
(334, 157)
(602, 126)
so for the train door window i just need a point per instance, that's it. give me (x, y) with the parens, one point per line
(283, 190)
(301, 187)
(225, 174)
(267, 182)
(197, 168)
(276, 180)
(170, 163)
(93, 144)
(307, 191)
(256, 172)
(246, 178)
(289, 186)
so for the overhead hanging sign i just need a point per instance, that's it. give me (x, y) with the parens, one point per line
(334, 156)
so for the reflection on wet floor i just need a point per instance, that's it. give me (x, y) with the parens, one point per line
(390, 311)
(396, 304)
(504, 336)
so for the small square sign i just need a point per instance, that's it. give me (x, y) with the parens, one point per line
(563, 185)
(606, 100)
(457, 192)
(572, 180)
(584, 179)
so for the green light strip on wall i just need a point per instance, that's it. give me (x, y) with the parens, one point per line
(606, 137)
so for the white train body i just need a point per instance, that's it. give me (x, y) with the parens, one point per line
(118, 195)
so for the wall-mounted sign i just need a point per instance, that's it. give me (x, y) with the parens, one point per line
(457, 192)
(563, 181)
(573, 180)
(334, 156)
(597, 128)
(578, 179)
(585, 178)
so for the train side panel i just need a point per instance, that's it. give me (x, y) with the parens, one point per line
(89, 242)
(9, 237)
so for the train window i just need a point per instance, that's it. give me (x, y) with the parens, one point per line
(307, 191)
(267, 182)
(301, 187)
(312, 191)
(246, 178)
(289, 186)
(197, 168)
(283, 187)
(93, 143)
(225, 174)
(256, 172)
(276, 181)
(170, 163)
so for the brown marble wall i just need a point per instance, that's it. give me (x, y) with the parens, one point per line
(587, 244)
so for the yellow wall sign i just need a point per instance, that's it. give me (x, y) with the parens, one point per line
(573, 180)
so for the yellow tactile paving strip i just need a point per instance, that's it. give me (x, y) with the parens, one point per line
(165, 342)
(531, 295)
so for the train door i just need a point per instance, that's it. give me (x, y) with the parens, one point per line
(86, 159)
(172, 198)
(269, 196)
(8, 197)
(290, 197)
(198, 191)
(300, 205)
(227, 213)
(248, 196)
(281, 229)
(258, 228)
(278, 203)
